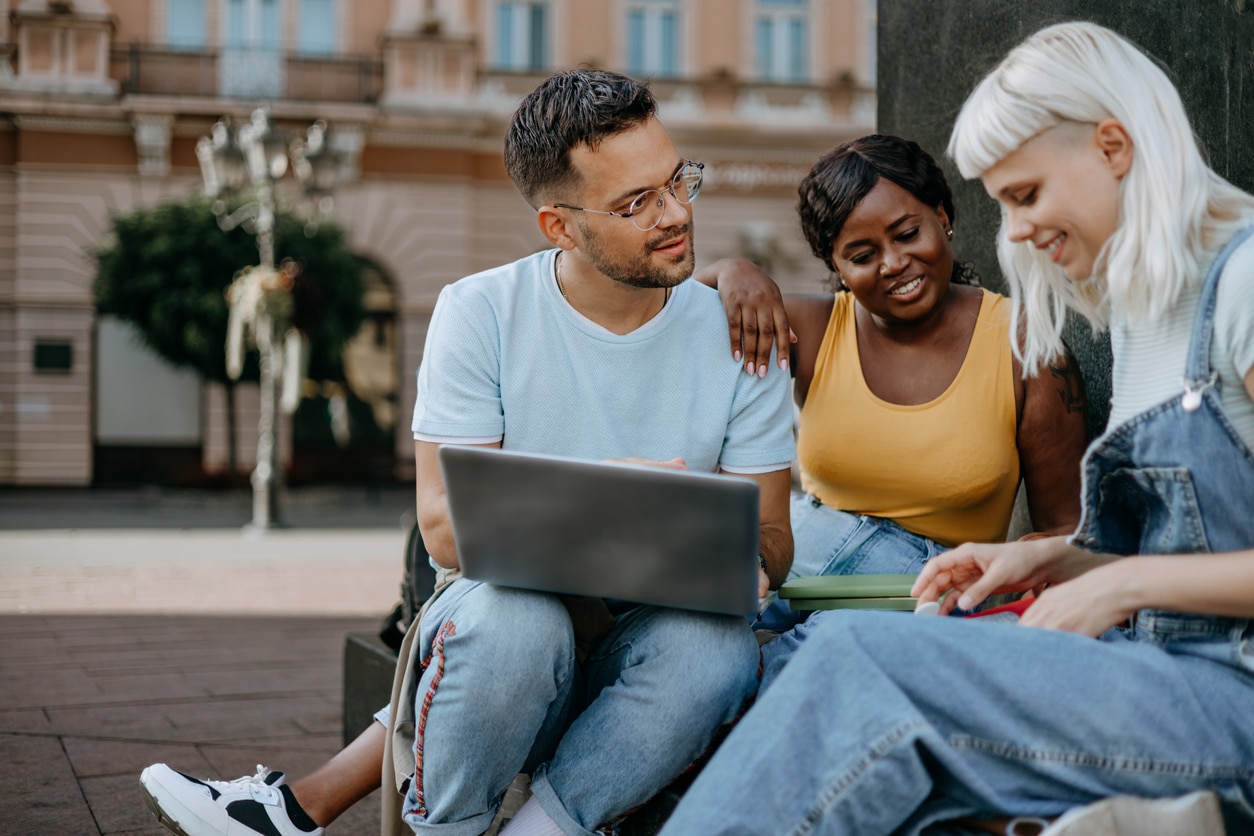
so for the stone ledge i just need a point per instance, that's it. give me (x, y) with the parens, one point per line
(368, 668)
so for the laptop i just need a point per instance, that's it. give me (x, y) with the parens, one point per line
(621, 531)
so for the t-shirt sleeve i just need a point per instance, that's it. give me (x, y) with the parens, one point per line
(459, 381)
(1234, 308)
(760, 432)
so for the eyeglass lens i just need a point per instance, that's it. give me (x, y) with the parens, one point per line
(647, 209)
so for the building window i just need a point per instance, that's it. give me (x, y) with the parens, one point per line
(185, 24)
(521, 35)
(316, 28)
(653, 37)
(780, 41)
(251, 67)
(252, 24)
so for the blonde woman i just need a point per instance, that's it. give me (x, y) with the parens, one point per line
(1142, 680)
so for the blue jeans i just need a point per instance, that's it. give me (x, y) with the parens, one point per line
(831, 542)
(887, 723)
(502, 693)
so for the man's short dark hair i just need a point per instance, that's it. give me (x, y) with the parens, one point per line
(573, 108)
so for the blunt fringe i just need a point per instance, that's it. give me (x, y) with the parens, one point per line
(1173, 207)
(569, 109)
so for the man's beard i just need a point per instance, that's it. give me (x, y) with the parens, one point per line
(642, 272)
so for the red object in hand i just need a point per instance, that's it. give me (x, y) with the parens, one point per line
(1016, 608)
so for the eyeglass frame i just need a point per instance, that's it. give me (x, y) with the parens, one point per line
(661, 193)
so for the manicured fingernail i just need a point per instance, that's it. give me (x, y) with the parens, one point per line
(783, 364)
(762, 370)
(736, 356)
(749, 368)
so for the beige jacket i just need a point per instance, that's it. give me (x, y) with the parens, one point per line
(398, 749)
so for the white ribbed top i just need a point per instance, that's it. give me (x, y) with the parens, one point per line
(1149, 359)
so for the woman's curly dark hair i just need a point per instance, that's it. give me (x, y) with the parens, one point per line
(842, 177)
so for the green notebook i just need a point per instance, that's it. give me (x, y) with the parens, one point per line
(807, 604)
(849, 587)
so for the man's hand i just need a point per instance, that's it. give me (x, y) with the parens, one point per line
(670, 464)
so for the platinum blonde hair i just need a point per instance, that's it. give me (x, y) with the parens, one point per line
(1173, 207)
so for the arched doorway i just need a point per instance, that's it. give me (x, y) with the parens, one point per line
(343, 429)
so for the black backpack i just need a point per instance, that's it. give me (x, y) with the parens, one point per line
(417, 584)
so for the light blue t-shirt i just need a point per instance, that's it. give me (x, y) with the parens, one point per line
(508, 359)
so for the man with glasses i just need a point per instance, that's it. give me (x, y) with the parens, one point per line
(597, 348)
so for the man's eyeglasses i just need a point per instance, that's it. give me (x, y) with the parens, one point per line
(647, 209)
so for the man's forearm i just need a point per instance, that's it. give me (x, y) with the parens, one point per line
(437, 537)
(775, 545)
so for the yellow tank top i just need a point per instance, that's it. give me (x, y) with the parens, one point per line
(947, 469)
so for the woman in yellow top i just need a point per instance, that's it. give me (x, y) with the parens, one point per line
(916, 421)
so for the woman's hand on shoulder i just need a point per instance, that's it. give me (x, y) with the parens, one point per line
(756, 319)
(973, 571)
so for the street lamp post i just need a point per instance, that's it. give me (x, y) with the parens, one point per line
(255, 156)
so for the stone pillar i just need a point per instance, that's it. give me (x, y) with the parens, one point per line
(152, 141)
(932, 54)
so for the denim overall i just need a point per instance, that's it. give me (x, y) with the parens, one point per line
(1176, 479)
(891, 723)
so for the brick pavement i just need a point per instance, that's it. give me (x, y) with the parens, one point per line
(87, 701)
(138, 627)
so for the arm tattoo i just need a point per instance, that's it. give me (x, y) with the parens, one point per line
(1070, 387)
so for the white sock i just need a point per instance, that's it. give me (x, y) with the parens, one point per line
(531, 821)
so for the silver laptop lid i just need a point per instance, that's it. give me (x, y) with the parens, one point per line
(581, 527)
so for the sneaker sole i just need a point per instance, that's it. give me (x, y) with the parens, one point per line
(163, 818)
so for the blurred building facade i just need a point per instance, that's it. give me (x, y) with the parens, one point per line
(101, 105)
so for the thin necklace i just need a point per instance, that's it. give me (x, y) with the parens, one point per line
(557, 274)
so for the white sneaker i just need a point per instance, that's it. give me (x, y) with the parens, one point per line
(255, 805)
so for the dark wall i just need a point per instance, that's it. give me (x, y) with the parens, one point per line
(931, 54)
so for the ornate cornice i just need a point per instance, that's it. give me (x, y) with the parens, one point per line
(69, 124)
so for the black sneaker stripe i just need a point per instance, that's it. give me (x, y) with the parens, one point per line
(253, 814)
(212, 792)
(295, 813)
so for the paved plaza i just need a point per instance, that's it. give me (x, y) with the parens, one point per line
(143, 626)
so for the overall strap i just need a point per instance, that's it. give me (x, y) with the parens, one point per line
(1197, 370)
